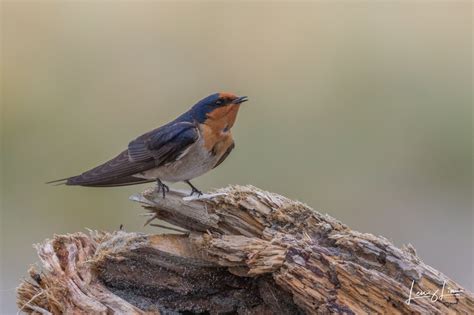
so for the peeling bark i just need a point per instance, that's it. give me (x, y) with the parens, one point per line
(245, 251)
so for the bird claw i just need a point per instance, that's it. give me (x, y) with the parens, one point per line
(197, 191)
(193, 189)
(160, 186)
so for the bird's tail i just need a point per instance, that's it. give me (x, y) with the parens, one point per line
(124, 181)
(118, 171)
(58, 182)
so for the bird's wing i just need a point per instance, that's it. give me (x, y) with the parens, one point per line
(110, 172)
(225, 155)
(163, 145)
(158, 147)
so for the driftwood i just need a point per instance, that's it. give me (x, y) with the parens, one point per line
(241, 251)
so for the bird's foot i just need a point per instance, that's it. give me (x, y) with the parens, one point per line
(160, 186)
(197, 191)
(194, 190)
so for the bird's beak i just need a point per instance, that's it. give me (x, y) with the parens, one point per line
(240, 100)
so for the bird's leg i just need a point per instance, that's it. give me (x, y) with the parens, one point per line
(194, 189)
(161, 186)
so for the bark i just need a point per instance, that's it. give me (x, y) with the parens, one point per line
(243, 251)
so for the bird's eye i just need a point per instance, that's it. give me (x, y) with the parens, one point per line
(219, 102)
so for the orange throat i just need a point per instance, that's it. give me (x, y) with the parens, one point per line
(218, 124)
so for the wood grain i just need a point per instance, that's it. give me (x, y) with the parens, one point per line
(246, 251)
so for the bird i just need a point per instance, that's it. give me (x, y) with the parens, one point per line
(189, 146)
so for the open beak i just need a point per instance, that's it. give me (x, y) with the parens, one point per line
(240, 100)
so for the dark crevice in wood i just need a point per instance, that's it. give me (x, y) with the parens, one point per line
(247, 252)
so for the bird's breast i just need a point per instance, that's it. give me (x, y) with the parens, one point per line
(196, 160)
(216, 136)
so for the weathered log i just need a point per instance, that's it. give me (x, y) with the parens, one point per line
(244, 251)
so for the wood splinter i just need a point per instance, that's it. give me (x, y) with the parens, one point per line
(247, 252)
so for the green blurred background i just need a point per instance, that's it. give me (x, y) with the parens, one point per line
(359, 109)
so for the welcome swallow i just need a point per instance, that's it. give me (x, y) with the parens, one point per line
(189, 146)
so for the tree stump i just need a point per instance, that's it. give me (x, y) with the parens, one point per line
(238, 250)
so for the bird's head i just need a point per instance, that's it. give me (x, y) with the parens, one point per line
(218, 107)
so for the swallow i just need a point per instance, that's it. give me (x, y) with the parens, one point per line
(189, 146)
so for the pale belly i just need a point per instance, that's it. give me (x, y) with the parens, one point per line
(195, 162)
